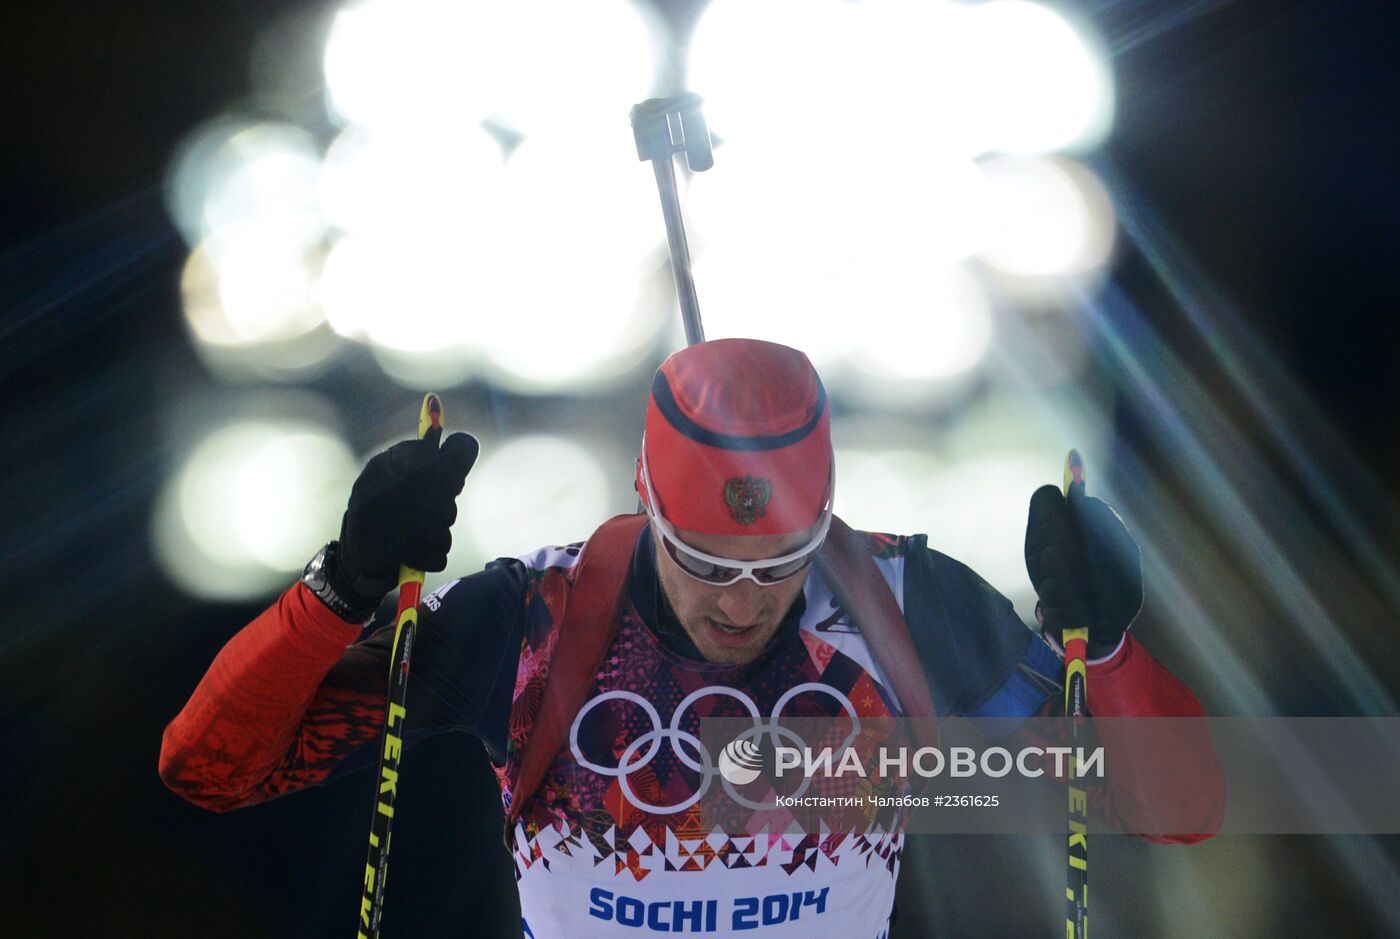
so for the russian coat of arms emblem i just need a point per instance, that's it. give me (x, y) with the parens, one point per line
(746, 496)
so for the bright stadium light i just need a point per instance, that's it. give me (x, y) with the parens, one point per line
(883, 489)
(539, 65)
(1052, 218)
(972, 508)
(1032, 83)
(1012, 442)
(442, 182)
(243, 174)
(397, 62)
(595, 202)
(349, 291)
(920, 337)
(935, 212)
(270, 286)
(812, 100)
(579, 231)
(407, 294)
(527, 493)
(975, 510)
(241, 288)
(835, 82)
(769, 260)
(251, 503)
(914, 98)
(573, 66)
(775, 295)
(448, 257)
(587, 325)
(294, 471)
(430, 369)
(778, 74)
(245, 195)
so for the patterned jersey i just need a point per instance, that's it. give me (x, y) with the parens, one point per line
(293, 700)
(616, 838)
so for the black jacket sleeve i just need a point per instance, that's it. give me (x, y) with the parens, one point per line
(967, 635)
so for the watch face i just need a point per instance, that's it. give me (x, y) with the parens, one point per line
(315, 574)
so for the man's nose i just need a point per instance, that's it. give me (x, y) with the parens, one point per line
(741, 602)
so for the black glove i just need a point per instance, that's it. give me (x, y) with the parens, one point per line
(401, 511)
(1085, 567)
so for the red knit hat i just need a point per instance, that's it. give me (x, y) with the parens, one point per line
(738, 439)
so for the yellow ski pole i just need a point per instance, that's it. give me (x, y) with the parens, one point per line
(1076, 642)
(405, 625)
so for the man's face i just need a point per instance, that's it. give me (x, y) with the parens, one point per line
(731, 624)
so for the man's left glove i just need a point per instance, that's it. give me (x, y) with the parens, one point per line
(1085, 567)
(401, 511)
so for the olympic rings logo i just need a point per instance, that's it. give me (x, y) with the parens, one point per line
(690, 750)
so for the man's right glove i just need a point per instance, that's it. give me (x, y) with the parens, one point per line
(401, 511)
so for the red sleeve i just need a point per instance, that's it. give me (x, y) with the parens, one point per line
(1162, 776)
(1134, 684)
(1177, 777)
(285, 700)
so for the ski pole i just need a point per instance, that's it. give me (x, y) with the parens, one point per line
(1076, 643)
(663, 127)
(395, 711)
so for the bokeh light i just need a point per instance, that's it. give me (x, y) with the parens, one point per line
(564, 325)
(538, 65)
(528, 493)
(429, 369)
(898, 78)
(1052, 218)
(440, 182)
(407, 294)
(247, 174)
(918, 340)
(252, 502)
(574, 67)
(762, 268)
(585, 195)
(972, 509)
(569, 258)
(391, 62)
(244, 194)
(781, 251)
(778, 255)
(885, 488)
(1031, 83)
(520, 242)
(418, 272)
(240, 288)
(778, 74)
(976, 511)
(454, 261)
(777, 259)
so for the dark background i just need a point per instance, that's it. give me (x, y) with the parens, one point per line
(1260, 136)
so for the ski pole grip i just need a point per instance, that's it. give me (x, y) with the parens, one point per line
(429, 417)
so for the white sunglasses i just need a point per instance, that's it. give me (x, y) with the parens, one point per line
(721, 572)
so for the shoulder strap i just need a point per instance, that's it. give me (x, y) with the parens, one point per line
(588, 627)
(846, 564)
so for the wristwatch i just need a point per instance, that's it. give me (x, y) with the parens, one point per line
(316, 577)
